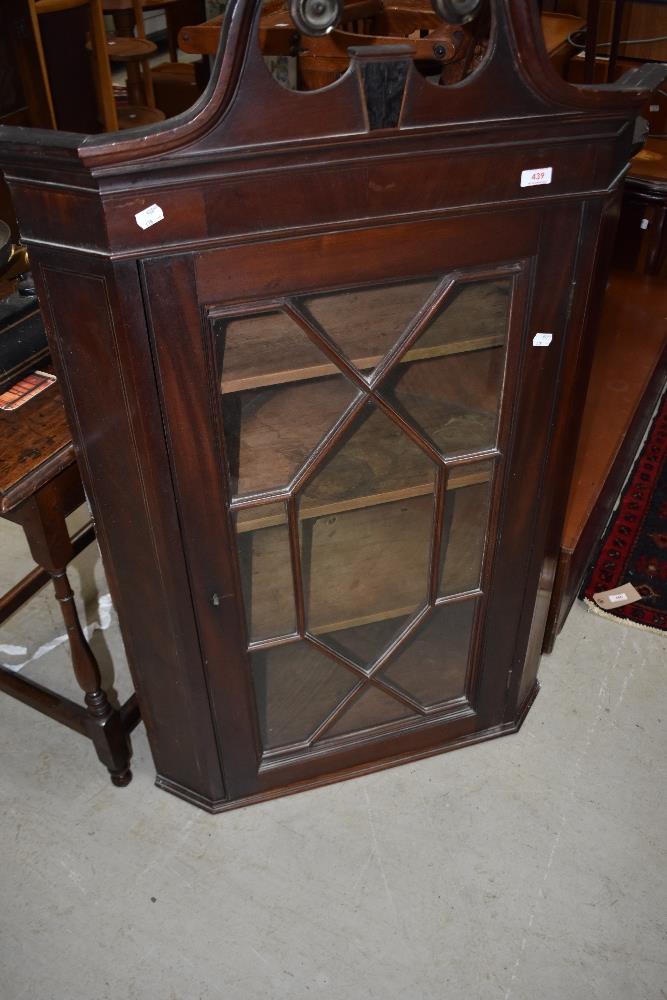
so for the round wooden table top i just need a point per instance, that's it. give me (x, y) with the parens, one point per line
(121, 49)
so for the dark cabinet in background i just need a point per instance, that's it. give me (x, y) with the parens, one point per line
(324, 404)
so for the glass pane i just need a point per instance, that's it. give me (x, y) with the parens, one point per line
(473, 316)
(366, 323)
(265, 349)
(366, 565)
(366, 523)
(465, 526)
(372, 708)
(432, 665)
(296, 688)
(448, 384)
(373, 462)
(452, 401)
(266, 571)
(362, 643)
(270, 432)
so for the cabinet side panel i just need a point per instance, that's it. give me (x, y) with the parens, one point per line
(183, 371)
(527, 492)
(581, 229)
(105, 369)
(598, 235)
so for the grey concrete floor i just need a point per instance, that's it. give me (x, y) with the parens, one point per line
(528, 868)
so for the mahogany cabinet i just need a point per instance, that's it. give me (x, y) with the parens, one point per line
(324, 405)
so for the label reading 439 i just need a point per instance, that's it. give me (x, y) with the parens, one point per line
(538, 175)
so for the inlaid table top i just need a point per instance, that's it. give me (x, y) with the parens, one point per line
(35, 445)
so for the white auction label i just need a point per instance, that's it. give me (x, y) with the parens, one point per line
(542, 339)
(654, 107)
(539, 175)
(618, 597)
(149, 216)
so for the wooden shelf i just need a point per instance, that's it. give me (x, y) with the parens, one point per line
(368, 363)
(375, 463)
(358, 621)
(271, 349)
(361, 566)
(251, 518)
(352, 575)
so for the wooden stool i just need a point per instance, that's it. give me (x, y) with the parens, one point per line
(177, 14)
(39, 487)
(134, 52)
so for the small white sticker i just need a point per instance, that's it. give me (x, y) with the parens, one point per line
(149, 216)
(654, 107)
(542, 339)
(644, 224)
(538, 175)
(618, 597)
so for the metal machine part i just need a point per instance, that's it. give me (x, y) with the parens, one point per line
(315, 17)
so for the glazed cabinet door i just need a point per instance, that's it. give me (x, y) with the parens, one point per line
(357, 489)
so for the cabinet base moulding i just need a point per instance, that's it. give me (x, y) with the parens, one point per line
(358, 771)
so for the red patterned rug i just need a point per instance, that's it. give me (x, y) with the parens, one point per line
(634, 549)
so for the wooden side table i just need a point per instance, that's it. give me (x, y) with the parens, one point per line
(39, 487)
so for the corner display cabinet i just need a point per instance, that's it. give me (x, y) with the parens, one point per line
(323, 352)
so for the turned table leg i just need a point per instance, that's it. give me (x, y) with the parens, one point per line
(43, 521)
(106, 731)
